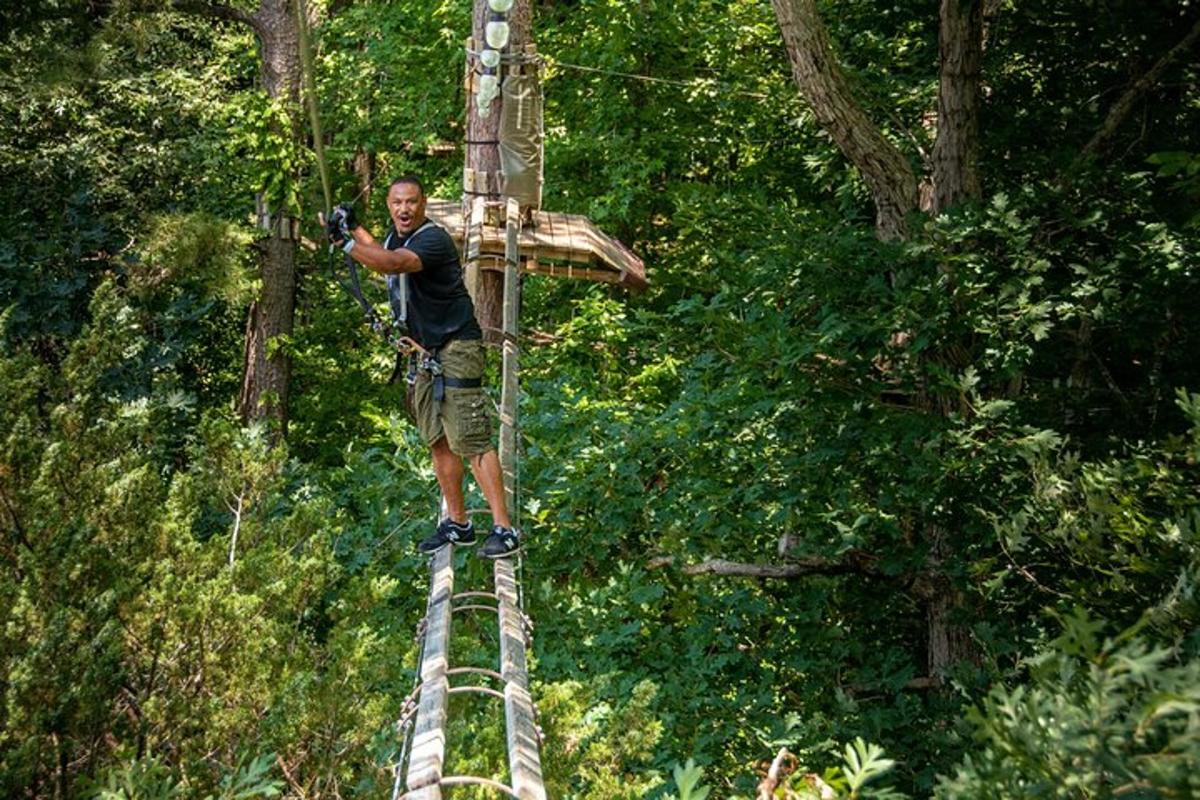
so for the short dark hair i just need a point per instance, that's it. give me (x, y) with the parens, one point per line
(408, 178)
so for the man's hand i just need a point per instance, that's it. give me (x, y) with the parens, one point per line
(349, 221)
(340, 223)
(333, 229)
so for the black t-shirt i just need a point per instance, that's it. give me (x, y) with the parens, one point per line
(439, 308)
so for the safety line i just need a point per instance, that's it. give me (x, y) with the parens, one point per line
(692, 84)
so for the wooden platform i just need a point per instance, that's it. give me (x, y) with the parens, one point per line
(564, 245)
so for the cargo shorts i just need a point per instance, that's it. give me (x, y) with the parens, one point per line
(462, 416)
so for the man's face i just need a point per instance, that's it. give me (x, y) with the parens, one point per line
(406, 204)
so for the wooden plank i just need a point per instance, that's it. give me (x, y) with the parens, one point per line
(555, 237)
(524, 760)
(474, 234)
(509, 387)
(428, 753)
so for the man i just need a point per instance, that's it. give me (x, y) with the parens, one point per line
(446, 386)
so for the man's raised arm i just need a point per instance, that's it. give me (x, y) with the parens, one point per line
(364, 248)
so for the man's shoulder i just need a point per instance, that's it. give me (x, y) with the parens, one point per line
(435, 232)
(434, 240)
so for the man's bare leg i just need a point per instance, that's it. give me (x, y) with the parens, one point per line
(449, 470)
(486, 469)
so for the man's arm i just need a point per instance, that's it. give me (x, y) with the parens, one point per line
(372, 255)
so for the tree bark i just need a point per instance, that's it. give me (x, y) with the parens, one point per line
(266, 376)
(890, 177)
(483, 156)
(956, 148)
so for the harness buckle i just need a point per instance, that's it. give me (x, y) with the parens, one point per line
(431, 365)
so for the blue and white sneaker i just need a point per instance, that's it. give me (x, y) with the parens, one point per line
(449, 532)
(500, 543)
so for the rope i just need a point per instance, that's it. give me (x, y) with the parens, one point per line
(692, 84)
(310, 92)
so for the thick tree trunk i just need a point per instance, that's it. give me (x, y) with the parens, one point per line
(483, 156)
(266, 374)
(894, 188)
(956, 149)
(891, 179)
(955, 179)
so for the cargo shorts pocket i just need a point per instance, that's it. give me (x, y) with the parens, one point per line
(466, 421)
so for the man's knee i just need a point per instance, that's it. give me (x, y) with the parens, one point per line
(477, 459)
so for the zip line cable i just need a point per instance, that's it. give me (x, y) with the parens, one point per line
(692, 84)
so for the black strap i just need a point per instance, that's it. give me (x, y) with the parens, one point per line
(354, 288)
(462, 383)
(441, 382)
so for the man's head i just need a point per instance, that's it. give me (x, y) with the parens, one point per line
(406, 203)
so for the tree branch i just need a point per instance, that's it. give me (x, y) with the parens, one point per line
(1125, 103)
(854, 563)
(216, 11)
(784, 763)
(816, 72)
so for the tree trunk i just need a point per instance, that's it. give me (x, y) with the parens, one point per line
(889, 176)
(483, 157)
(894, 189)
(266, 374)
(955, 179)
(956, 149)
(364, 177)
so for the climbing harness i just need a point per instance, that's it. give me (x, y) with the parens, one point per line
(429, 363)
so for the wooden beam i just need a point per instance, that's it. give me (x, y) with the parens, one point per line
(524, 760)
(509, 388)
(473, 240)
(429, 735)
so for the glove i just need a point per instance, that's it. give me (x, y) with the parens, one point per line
(341, 221)
(349, 220)
(333, 229)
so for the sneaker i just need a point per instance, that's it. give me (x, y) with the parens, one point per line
(500, 543)
(449, 532)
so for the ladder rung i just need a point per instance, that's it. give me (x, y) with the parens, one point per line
(474, 594)
(459, 780)
(472, 606)
(477, 690)
(491, 673)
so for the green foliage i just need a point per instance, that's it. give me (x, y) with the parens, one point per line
(182, 594)
(687, 781)
(1100, 717)
(595, 748)
(147, 779)
(268, 155)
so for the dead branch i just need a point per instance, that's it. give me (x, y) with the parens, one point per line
(853, 563)
(766, 788)
(1125, 103)
(919, 684)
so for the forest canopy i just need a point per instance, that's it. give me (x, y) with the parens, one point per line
(892, 466)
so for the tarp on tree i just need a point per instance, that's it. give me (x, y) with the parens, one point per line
(521, 139)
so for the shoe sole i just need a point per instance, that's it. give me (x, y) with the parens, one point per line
(496, 556)
(438, 549)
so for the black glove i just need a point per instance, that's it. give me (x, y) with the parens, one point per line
(349, 220)
(333, 229)
(341, 222)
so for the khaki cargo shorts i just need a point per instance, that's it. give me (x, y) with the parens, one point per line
(462, 416)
